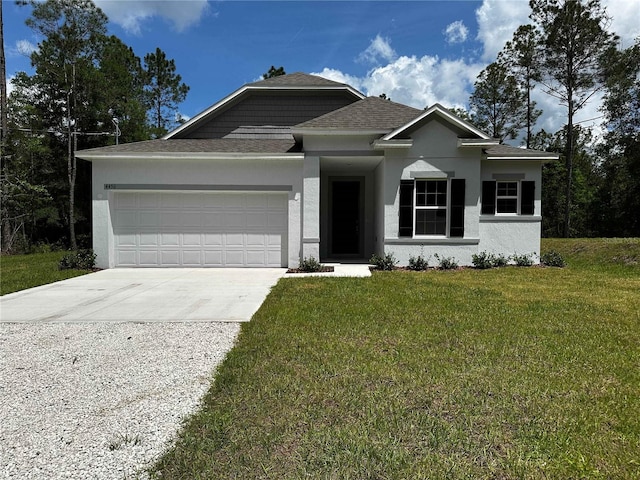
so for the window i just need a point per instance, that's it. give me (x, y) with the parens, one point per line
(429, 207)
(508, 197)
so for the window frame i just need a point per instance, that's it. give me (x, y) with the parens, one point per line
(516, 197)
(446, 207)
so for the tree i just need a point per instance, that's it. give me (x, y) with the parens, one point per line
(122, 88)
(573, 39)
(274, 72)
(619, 195)
(164, 91)
(64, 64)
(520, 58)
(497, 102)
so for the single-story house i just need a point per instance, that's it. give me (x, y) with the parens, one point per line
(300, 166)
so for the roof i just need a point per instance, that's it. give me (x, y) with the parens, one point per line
(291, 82)
(215, 145)
(297, 79)
(506, 152)
(370, 113)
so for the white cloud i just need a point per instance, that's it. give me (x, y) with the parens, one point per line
(379, 49)
(131, 15)
(415, 81)
(22, 47)
(497, 20)
(625, 19)
(456, 32)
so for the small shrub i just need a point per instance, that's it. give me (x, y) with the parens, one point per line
(483, 260)
(79, 260)
(500, 260)
(446, 263)
(418, 263)
(310, 265)
(523, 259)
(552, 259)
(386, 262)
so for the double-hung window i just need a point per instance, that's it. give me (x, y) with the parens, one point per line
(431, 207)
(508, 197)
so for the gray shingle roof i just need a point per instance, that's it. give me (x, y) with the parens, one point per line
(508, 151)
(215, 145)
(371, 113)
(297, 79)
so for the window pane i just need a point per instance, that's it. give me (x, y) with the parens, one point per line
(507, 205)
(431, 193)
(507, 189)
(431, 222)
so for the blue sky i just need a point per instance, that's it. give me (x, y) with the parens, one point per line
(417, 52)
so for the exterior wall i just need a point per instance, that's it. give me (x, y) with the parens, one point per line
(211, 174)
(434, 153)
(509, 234)
(311, 208)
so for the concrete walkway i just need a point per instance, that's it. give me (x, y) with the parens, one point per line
(339, 270)
(146, 295)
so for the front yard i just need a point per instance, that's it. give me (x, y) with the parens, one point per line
(503, 373)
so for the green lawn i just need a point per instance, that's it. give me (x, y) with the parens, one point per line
(505, 373)
(18, 272)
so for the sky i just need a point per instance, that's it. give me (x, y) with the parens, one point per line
(417, 52)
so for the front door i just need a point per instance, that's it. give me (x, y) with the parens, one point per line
(346, 217)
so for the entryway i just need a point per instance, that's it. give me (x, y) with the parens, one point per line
(346, 217)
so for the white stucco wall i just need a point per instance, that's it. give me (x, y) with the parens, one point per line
(184, 171)
(435, 154)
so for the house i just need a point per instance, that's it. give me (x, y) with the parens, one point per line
(300, 166)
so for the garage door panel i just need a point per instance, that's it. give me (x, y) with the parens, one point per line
(148, 239)
(126, 258)
(148, 219)
(234, 258)
(191, 219)
(192, 258)
(200, 229)
(170, 240)
(126, 219)
(149, 200)
(191, 240)
(148, 258)
(126, 240)
(211, 239)
(213, 257)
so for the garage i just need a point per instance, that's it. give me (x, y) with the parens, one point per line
(199, 229)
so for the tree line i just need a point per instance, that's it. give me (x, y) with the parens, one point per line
(88, 89)
(568, 52)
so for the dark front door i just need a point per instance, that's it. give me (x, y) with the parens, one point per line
(345, 217)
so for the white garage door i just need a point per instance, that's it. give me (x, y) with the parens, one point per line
(171, 229)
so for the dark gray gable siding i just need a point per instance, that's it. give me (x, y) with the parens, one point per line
(271, 108)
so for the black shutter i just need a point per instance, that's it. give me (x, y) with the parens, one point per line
(488, 198)
(456, 226)
(406, 209)
(527, 205)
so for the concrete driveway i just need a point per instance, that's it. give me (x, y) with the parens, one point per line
(145, 295)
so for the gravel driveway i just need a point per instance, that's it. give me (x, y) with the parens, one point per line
(100, 401)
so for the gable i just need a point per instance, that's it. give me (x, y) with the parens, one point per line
(272, 108)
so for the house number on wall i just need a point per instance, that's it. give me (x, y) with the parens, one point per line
(109, 186)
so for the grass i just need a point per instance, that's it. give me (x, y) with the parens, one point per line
(18, 272)
(502, 373)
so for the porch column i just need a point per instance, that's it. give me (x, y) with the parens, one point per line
(311, 208)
